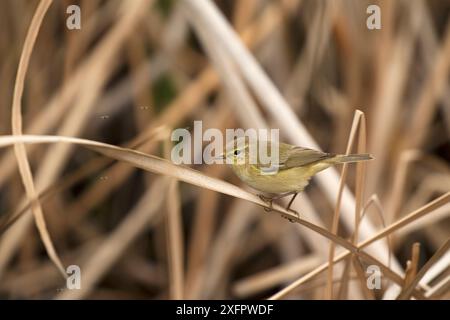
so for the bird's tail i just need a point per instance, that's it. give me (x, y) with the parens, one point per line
(342, 158)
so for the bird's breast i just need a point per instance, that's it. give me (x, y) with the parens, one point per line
(282, 181)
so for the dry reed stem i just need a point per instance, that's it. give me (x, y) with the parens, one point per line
(432, 183)
(439, 289)
(175, 242)
(411, 268)
(345, 278)
(376, 202)
(174, 236)
(358, 123)
(440, 214)
(407, 290)
(368, 293)
(441, 266)
(20, 151)
(360, 179)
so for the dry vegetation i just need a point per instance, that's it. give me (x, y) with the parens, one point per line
(85, 123)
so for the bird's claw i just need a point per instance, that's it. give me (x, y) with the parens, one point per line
(268, 201)
(294, 212)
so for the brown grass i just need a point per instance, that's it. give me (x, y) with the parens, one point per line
(138, 68)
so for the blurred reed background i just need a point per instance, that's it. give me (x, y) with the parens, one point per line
(138, 69)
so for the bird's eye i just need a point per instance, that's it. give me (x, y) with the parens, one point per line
(236, 152)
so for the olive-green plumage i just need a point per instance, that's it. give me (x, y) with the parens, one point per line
(295, 167)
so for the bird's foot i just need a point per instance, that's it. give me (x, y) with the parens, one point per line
(294, 212)
(268, 201)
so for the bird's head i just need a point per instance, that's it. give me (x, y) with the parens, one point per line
(237, 152)
(244, 151)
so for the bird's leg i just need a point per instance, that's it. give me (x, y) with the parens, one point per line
(282, 195)
(288, 208)
(290, 201)
(266, 200)
(269, 201)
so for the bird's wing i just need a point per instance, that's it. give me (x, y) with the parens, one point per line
(292, 156)
(298, 157)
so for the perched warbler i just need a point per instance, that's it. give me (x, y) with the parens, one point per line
(289, 175)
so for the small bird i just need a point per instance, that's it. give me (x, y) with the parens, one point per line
(295, 167)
